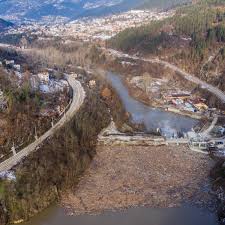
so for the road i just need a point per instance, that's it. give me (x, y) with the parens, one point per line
(190, 77)
(214, 90)
(211, 127)
(77, 101)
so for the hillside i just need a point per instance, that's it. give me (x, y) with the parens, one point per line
(188, 21)
(162, 4)
(4, 24)
(193, 39)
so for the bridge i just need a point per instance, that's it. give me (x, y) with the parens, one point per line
(77, 101)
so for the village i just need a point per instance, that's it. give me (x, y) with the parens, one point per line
(207, 136)
(173, 98)
(47, 82)
(91, 29)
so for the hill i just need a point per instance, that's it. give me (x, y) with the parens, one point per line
(162, 4)
(199, 22)
(193, 39)
(4, 24)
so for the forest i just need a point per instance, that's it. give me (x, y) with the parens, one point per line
(203, 23)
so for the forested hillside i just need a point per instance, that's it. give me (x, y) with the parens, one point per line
(193, 39)
(4, 24)
(202, 23)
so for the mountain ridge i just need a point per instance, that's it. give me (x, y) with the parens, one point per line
(5, 24)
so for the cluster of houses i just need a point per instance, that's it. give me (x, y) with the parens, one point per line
(186, 102)
(204, 143)
(101, 29)
(49, 84)
(90, 29)
(46, 82)
(172, 98)
(10, 64)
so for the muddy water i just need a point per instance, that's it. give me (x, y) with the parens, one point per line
(153, 118)
(137, 216)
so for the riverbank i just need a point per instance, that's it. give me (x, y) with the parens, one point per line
(122, 177)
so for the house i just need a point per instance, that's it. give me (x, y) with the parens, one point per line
(17, 67)
(44, 77)
(201, 106)
(181, 96)
(189, 107)
(74, 74)
(197, 142)
(92, 83)
(217, 143)
(9, 63)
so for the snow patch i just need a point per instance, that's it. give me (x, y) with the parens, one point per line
(9, 175)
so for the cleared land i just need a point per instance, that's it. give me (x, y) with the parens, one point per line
(121, 177)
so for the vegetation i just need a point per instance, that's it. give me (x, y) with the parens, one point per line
(57, 164)
(2, 189)
(201, 22)
(133, 37)
(15, 39)
(5, 24)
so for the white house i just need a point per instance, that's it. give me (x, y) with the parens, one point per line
(92, 83)
(44, 77)
(17, 67)
(9, 62)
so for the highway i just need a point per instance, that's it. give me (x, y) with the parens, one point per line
(77, 101)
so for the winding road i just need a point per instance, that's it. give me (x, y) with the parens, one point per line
(78, 98)
(214, 90)
(77, 101)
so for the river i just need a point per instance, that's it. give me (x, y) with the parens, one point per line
(138, 216)
(185, 215)
(153, 118)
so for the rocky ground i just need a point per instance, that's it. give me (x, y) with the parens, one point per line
(121, 177)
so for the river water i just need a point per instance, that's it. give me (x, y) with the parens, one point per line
(170, 124)
(138, 216)
(185, 215)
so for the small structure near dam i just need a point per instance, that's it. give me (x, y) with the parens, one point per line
(198, 142)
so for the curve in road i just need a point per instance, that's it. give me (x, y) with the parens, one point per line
(77, 101)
